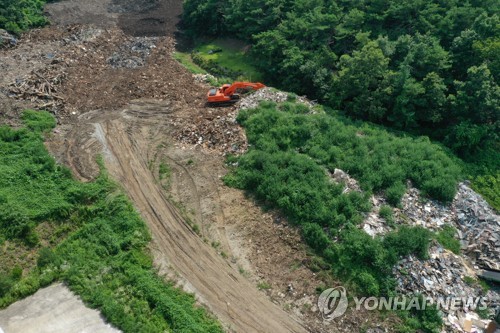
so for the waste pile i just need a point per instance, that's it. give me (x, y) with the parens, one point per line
(270, 94)
(79, 35)
(478, 227)
(215, 129)
(445, 277)
(6, 39)
(424, 212)
(133, 53)
(41, 88)
(477, 224)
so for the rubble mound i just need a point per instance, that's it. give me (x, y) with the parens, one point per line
(418, 211)
(215, 129)
(478, 226)
(253, 100)
(477, 223)
(440, 276)
(82, 34)
(121, 6)
(133, 53)
(444, 276)
(41, 87)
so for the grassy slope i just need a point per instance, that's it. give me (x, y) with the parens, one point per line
(232, 57)
(104, 258)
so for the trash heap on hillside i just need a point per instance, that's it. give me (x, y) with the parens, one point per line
(217, 130)
(478, 227)
(270, 94)
(133, 53)
(445, 276)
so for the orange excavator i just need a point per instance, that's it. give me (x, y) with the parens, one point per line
(228, 93)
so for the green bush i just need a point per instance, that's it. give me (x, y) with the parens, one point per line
(286, 168)
(387, 214)
(19, 16)
(446, 237)
(489, 187)
(38, 121)
(395, 192)
(17, 273)
(407, 240)
(46, 257)
(6, 283)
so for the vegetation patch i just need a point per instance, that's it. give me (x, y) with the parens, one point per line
(287, 167)
(17, 16)
(103, 258)
(224, 58)
(489, 187)
(446, 237)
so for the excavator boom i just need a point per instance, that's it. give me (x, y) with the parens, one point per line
(228, 92)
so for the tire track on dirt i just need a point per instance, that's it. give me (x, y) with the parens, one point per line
(235, 301)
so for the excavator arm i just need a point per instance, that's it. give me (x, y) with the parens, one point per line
(240, 85)
(227, 93)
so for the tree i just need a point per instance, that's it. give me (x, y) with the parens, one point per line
(361, 86)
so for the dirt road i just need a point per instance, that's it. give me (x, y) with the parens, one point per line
(129, 139)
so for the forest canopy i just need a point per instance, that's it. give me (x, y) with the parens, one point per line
(427, 67)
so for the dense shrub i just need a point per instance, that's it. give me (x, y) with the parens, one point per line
(446, 237)
(6, 283)
(379, 160)
(20, 15)
(489, 187)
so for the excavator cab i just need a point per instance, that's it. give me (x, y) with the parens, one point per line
(227, 93)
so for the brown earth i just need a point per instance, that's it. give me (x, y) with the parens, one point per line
(210, 238)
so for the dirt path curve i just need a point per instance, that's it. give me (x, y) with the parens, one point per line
(126, 143)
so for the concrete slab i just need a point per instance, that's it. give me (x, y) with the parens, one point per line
(54, 309)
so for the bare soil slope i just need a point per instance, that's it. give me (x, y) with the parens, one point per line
(129, 141)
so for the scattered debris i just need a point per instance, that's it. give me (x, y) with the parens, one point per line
(216, 129)
(133, 53)
(340, 176)
(270, 94)
(41, 88)
(444, 276)
(478, 227)
(82, 34)
(204, 78)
